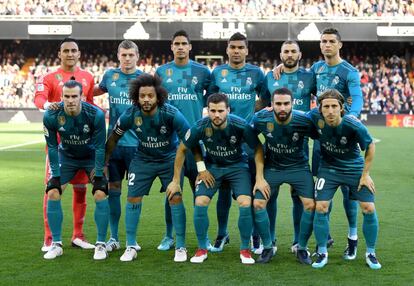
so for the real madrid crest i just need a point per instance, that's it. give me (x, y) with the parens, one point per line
(321, 123)
(249, 81)
(115, 76)
(194, 80)
(295, 137)
(208, 131)
(163, 130)
(300, 84)
(343, 140)
(86, 128)
(270, 126)
(138, 121)
(233, 140)
(61, 120)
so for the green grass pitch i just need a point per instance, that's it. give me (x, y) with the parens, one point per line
(21, 230)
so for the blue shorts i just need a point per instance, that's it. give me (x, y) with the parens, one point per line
(300, 179)
(329, 180)
(143, 173)
(237, 177)
(119, 162)
(69, 167)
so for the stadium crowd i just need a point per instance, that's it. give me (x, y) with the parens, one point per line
(260, 9)
(387, 80)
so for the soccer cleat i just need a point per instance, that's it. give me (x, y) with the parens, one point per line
(166, 244)
(180, 255)
(129, 254)
(372, 261)
(100, 252)
(199, 256)
(303, 256)
(47, 244)
(257, 246)
(321, 260)
(274, 247)
(220, 242)
(265, 256)
(112, 244)
(294, 248)
(82, 243)
(351, 249)
(54, 251)
(246, 257)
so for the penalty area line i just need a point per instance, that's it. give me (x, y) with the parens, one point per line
(20, 145)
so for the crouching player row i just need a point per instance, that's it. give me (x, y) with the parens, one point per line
(342, 139)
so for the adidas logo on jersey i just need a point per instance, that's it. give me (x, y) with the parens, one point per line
(269, 135)
(113, 84)
(276, 83)
(62, 129)
(224, 80)
(169, 80)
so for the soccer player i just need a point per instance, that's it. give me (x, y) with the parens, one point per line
(335, 73)
(286, 161)
(115, 82)
(81, 127)
(242, 83)
(157, 125)
(48, 91)
(342, 138)
(302, 85)
(186, 82)
(225, 161)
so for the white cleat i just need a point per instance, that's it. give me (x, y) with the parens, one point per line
(78, 242)
(129, 254)
(100, 252)
(180, 255)
(54, 251)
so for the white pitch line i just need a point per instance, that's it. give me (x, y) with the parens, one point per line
(20, 145)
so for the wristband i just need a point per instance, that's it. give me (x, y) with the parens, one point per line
(201, 167)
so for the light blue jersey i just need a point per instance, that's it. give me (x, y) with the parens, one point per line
(81, 137)
(241, 86)
(186, 86)
(116, 84)
(301, 83)
(342, 77)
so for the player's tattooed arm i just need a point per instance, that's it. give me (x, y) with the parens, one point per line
(366, 179)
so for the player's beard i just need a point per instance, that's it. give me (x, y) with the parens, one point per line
(283, 115)
(148, 107)
(218, 122)
(290, 65)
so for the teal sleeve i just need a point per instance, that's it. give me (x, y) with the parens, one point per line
(102, 84)
(206, 85)
(192, 137)
(52, 145)
(354, 87)
(98, 137)
(363, 137)
(180, 125)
